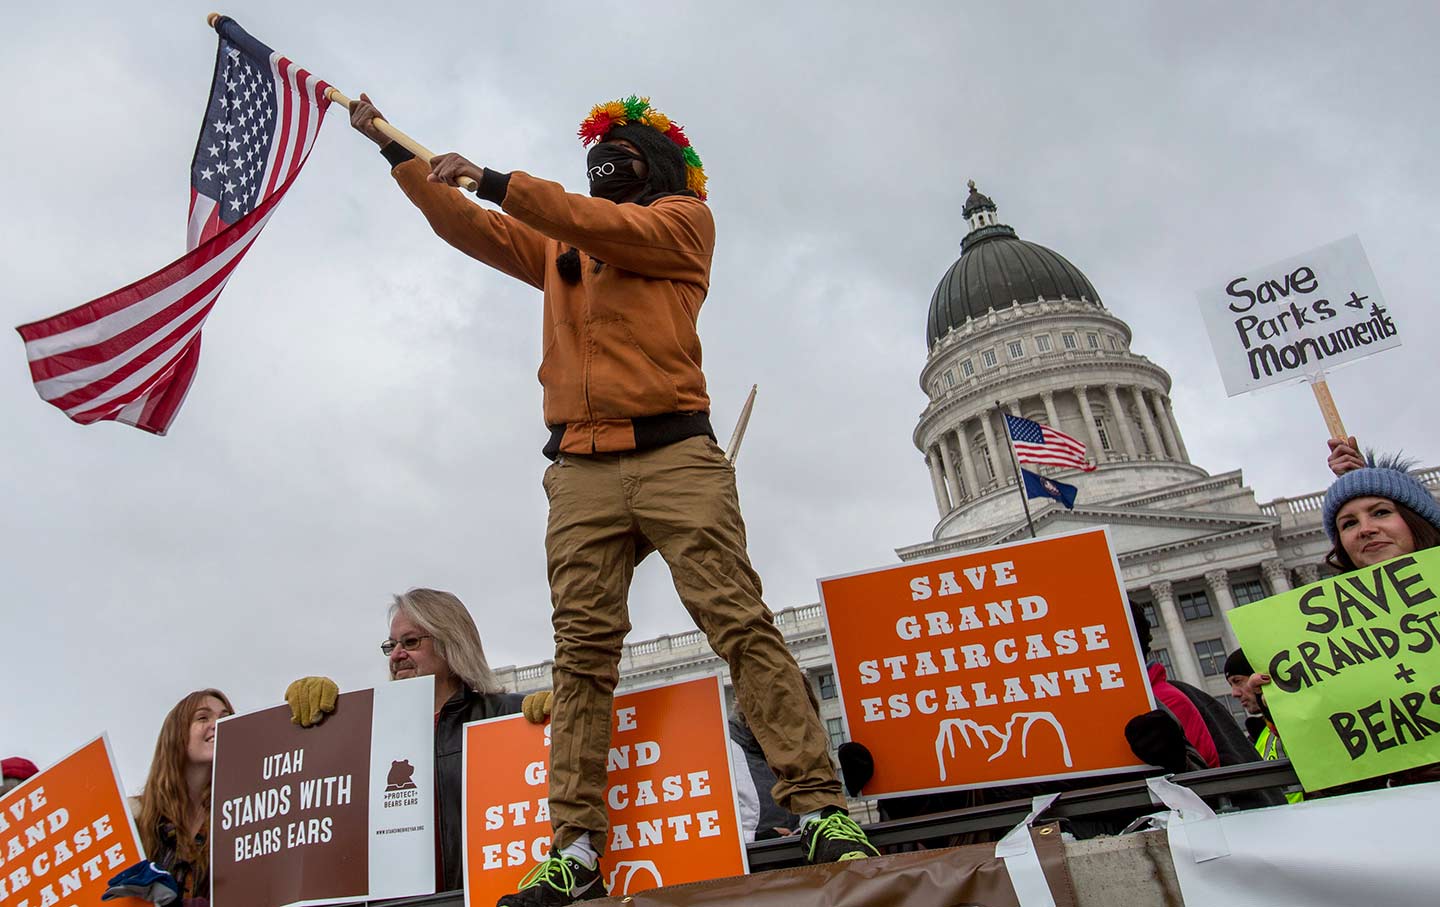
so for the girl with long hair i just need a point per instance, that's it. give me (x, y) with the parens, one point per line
(174, 806)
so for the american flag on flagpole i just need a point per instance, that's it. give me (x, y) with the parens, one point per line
(130, 356)
(1036, 443)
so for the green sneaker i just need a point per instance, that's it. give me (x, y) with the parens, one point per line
(835, 837)
(556, 882)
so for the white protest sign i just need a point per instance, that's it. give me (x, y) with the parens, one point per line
(336, 813)
(1297, 318)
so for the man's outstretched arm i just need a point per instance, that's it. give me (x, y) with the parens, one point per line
(671, 239)
(491, 237)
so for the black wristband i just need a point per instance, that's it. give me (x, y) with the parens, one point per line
(396, 154)
(493, 186)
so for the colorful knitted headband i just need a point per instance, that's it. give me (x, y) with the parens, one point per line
(604, 117)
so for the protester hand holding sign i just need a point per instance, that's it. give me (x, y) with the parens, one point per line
(1351, 659)
(1344, 455)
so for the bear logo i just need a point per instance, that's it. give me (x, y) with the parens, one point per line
(400, 777)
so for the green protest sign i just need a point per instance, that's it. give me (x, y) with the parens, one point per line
(1355, 665)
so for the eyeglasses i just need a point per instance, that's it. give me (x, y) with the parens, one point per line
(408, 643)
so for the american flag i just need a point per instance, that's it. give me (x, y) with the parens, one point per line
(130, 356)
(1036, 443)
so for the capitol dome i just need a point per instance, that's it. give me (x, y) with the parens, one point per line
(1014, 329)
(996, 270)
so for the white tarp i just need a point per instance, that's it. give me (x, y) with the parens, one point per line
(1374, 849)
(1297, 318)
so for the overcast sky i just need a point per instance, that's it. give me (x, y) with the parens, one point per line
(366, 417)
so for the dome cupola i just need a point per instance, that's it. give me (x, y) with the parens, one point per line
(998, 269)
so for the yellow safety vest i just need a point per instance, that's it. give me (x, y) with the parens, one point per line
(1270, 750)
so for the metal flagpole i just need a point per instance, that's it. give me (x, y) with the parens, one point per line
(1019, 478)
(733, 451)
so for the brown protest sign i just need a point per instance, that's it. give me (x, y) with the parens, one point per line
(65, 832)
(670, 800)
(342, 811)
(1013, 663)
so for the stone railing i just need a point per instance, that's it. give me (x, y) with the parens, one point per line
(1313, 503)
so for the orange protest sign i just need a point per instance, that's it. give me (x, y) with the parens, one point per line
(1014, 663)
(671, 797)
(65, 832)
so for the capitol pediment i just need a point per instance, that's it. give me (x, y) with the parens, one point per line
(1133, 530)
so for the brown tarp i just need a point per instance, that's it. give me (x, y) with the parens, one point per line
(970, 876)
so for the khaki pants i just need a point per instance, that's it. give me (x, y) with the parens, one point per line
(606, 512)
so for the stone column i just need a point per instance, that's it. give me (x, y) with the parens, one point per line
(1146, 422)
(1182, 653)
(937, 482)
(1175, 427)
(1049, 398)
(1219, 583)
(1113, 396)
(1167, 431)
(1097, 450)
(995, 458)
(967, 459)
(1308, 573)
(1277, 576)
(949, 462)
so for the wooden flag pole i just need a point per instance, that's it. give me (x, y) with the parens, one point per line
(390, 132)
(1327, 408)
(733, 451)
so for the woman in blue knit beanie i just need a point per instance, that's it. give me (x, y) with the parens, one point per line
(1377, 512)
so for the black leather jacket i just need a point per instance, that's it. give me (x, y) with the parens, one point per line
(466, 705)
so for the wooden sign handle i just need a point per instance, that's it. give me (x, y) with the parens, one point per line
(1327, 408)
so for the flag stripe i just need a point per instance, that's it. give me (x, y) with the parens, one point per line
(85, 325)
(127, 350)
(123, 395)
(282, 122)
(202, 219)
(162, 403)
(302, 121)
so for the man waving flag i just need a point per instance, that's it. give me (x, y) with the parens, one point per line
(130, 356)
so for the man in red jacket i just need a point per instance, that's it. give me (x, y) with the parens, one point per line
(1173, 735)
(624, 272)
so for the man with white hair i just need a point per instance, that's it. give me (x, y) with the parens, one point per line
(431, 634)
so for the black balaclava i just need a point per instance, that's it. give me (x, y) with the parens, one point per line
(667, 177)
(666, 160)
(611, 169)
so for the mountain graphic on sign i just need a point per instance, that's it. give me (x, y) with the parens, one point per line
(988, 737)
(632, 868)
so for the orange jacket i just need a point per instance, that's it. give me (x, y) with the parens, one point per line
(621, 345)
